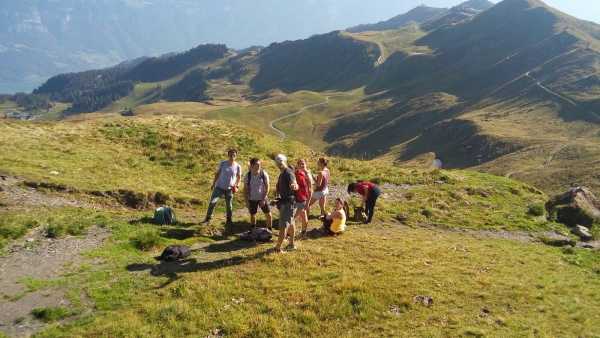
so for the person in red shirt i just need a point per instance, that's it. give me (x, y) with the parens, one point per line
(303, 194)
(370, 193)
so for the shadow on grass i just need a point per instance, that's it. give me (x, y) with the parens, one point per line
(178, 234)
(173, 270)
(143, 220)
(150, 220)
(230, 246)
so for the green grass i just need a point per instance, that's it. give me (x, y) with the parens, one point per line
(51, 314)
(393, 41)
(146, 240)
(56, 222)
(360, 284)
(177, 157)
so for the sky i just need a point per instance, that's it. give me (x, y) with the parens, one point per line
(583, 9)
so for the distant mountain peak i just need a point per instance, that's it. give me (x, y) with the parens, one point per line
(478, 5)
(416, 15)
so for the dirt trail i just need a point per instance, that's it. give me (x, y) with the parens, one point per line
(36, 257)
(39, 258)
(280, 132)
(15, 196)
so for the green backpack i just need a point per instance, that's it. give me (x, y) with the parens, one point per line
(164, 216)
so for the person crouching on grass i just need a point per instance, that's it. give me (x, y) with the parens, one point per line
(286, 188)
(225, 183)
(335, 223)
(256, 192)
(303, 194)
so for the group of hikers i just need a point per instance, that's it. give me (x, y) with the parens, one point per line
(297, 190)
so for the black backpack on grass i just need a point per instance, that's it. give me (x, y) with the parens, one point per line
(174, 253)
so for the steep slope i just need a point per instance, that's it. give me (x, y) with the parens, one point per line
(322, 62)
(417, 15)
(462, 12)
(525, 75)
(94, 90)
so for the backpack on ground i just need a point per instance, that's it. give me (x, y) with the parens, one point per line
(359, 214)
(174, 253)
(258, 235)
(164, 216)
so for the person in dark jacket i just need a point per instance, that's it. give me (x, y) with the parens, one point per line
(369, 192)
(286, 191)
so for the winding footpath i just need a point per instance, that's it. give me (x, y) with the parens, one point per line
(280, 132)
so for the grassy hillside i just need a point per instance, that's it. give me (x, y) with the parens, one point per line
(524, 106)
(323, 62)
(426, 241)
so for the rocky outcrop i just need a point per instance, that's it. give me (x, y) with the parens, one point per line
(578, 206)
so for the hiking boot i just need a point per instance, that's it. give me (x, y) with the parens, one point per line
(206, 221)
(291, 247)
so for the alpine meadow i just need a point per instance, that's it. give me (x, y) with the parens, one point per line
(435, 174)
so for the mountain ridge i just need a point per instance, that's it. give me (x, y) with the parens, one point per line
(488, 79)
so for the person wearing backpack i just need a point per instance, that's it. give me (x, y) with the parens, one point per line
(321, 189)
(370, 193)
(256, 192)
(303, 194)
(225, 183)
(286, 187)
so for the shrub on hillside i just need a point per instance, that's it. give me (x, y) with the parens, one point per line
(51, 314)
(536, 210)
(56, 229)
(146, 239)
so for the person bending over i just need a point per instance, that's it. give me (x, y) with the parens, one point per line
(370, 193)
(256, 192)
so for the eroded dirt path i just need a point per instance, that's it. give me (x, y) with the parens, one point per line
(14, 195)
(38, 258)
(35, 257)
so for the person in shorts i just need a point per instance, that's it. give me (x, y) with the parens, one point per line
(321, 189)
(286, 187)
(303, 194)
(256, 188)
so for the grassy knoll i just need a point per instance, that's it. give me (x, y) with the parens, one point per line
(176, 157)
(392, 41)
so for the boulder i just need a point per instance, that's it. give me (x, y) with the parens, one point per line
(558, 240)
(578, 206)
(582, 232)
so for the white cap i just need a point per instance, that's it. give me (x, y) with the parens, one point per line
(281, 158)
